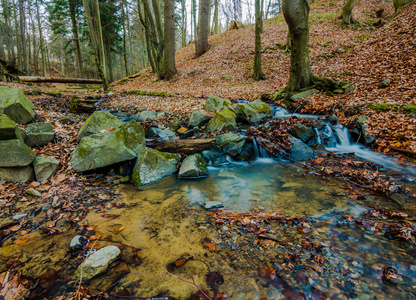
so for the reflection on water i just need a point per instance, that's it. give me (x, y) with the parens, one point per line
(165, 221)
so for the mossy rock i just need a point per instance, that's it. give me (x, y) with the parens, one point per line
(39, 134)
(253, 112)
(9, 129)
(230, 143)
(198, 119)
(98, 121)
(153, 165)
(409, 109)
(223, 120)
(215, 103)
(15, 153)
(17, 174)
(193, 166)
(104, 149)
(16, 105)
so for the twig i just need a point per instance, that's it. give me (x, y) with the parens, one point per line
(193, 283)
(82, 265)
(31, 288)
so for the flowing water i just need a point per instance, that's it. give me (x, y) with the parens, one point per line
(165, 222)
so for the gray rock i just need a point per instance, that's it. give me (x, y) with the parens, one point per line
(15, 153)
(18, 217)
(300, 151)
(215, 103)
(223, 120)
(163, 134)
(17, 174)
(97, 263)
(299, 96)
(152, 165)
(175, 124)
(9, 129)
(230, 143)
(104, 149)
(247, 153)
(198, 119)
(97, 122)
(364, 138)
(39, 134)
(16, 105)
(45, 167)
(217, 158)
(193, 166)
(384, 84)
(333, 119)
(302, 132)
(47, 207)
(213, 205)
(253, 112)
(76, 243)
(141, 116)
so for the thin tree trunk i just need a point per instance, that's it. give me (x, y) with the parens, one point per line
(183, 23)
(129, 35)
(42, 47)
(193, 21)
(258, 74)
(400, 3)
(17, 34)
(169, 59)
(203, 25)
(22, 22)
(75, 37)
(126, 67)
(62, 57)
(216, 16)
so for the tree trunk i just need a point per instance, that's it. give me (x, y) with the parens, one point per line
(22, 18)
(216, 17)
(59, 80)
(133, 70)
(126, 67)
(296, 13)
(183, 146)
(203, 23)
(258, 74)
(193, 21)
(169, 59)
(42, 48)
(183, 23)
(346, 15)
(76, 38)
(94, 26)
(399, 3)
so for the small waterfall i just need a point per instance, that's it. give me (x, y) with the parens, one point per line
(259, 151)
(318, 137)
(342, 135)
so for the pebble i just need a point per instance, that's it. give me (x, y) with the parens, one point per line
(412, 268)
(213, 204)
(33, 192)
(203, 228)
(18, 217)
(46, 207)
(55, 201)
(76, 243)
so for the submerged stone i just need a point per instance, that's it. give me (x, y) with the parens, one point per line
(39, 134)
(300, 151)
(193, 166)
(215, 103)
(213, 205)
(104, 149)
(152, 165)
(223, 120)
(97, 263)
(16, 105)
(98, 121)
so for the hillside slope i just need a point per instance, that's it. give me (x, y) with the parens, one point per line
(359, 54)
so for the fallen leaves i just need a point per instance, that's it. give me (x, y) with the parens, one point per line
(22, 241)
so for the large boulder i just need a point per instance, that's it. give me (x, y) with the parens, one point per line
(198, 119)
(194, 166)
(15, 153)
(39, 134)
(16, 105)
(302, 132)
(104, 149)
(230, 143)
(8, 129)
(215, 103)
(17, 174)
(300, 151)
(98, 121)
(152, 165)
(97, 263)
(45, 167)
(223, 120)
(253, 112)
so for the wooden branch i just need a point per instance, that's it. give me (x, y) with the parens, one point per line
(404, 151)
(59, 80)
(182, 146)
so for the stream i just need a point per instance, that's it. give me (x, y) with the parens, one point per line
(165, 221)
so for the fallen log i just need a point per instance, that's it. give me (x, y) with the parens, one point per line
(182, 146)
(404, 151)
(58, 80)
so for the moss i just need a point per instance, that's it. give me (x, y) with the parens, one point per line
(148, 93)
(409, 109)
(379, 107)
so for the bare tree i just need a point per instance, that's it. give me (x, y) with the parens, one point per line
(170, 68)
(346, 15)
(203, 28)
(258, 74)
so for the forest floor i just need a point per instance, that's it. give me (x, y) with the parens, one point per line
(94, 207)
